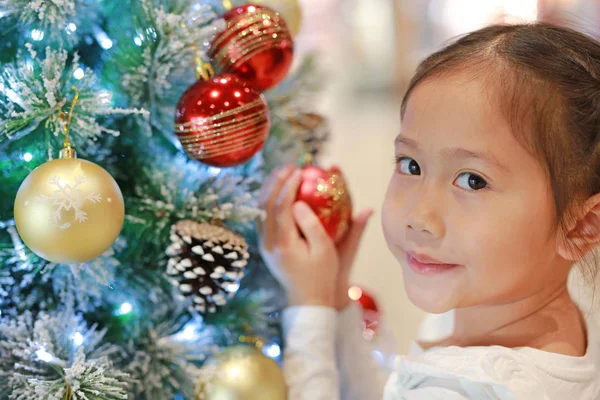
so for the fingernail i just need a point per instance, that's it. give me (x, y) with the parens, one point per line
(367, 215)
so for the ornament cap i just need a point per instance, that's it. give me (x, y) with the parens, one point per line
(67, 152)
(307, 159)
(227, 4)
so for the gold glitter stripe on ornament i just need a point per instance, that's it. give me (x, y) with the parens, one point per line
(229, 136)
(205, 137)
(243, 21)
(248, 33)
(257, 47)
(245, 146)
(216, 128)
(226, 140)
(221, 152)
(207, 153)
(256, 103)
(251, 53)
(208, 131)
(244, 42)
(195, 124)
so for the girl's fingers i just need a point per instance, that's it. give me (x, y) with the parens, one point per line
(270, 223)
(267, 186)
(286, 226)
(310, 225)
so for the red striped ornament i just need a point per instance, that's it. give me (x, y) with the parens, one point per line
(256, 45)
(222, 121)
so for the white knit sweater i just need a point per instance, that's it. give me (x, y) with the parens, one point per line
(326, 358)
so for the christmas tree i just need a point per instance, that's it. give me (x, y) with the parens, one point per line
(183, 279)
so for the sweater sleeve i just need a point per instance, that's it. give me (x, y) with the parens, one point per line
(309, 357)
(362, 377)
(432, 394)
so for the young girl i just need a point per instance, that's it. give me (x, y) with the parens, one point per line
(494, 197)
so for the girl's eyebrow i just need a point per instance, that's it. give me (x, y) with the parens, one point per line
(455, 152)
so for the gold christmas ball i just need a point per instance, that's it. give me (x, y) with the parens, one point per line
(69, 211)
(242, 373)
(289, 9)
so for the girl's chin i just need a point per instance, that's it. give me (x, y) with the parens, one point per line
(431, 295)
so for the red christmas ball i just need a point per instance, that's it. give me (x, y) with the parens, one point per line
(256, 45)
(327, 194)
(222, 121)
(371, 315)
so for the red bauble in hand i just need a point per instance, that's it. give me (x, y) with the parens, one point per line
(327, 194)
(222, 121)
(256, 45)
(371, 316)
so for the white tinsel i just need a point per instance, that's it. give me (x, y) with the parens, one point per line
(41, 358)
(35, 92)
(86, 282)
(83, 282)
(185, 189)
(53, 20)
(161, 358)
(169, 43)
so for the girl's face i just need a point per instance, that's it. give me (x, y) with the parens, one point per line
(466, 193)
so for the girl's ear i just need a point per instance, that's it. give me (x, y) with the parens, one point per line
(583, 231)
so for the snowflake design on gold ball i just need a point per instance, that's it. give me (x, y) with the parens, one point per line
(66, 198)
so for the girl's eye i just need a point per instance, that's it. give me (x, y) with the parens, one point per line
(471, 182)
(408, 166)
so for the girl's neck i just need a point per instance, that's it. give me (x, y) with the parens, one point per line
(548, 320)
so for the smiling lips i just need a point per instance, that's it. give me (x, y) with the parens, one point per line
(425, 265)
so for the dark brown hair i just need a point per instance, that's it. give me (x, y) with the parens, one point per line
(546, 80)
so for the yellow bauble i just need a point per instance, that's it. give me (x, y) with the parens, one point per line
(289, 9)
(69, 211)
(243, 373)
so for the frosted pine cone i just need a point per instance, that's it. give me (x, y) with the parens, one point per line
(206, 263)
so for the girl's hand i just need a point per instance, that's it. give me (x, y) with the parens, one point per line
(284, 251)
(307, 267)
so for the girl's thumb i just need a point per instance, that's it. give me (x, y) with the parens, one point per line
(352, 240)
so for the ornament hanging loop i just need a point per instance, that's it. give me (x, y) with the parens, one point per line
(68, 392)
(258, 342)
(68, 151)
(203, 69)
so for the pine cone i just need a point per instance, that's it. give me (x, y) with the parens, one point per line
(206, 263)
(313, 129)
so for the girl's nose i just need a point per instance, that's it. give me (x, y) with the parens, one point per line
(424, 220)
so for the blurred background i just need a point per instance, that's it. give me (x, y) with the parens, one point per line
(368, 50)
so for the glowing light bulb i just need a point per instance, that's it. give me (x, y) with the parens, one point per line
(78, 74)
(78, 339)
(273, 350)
